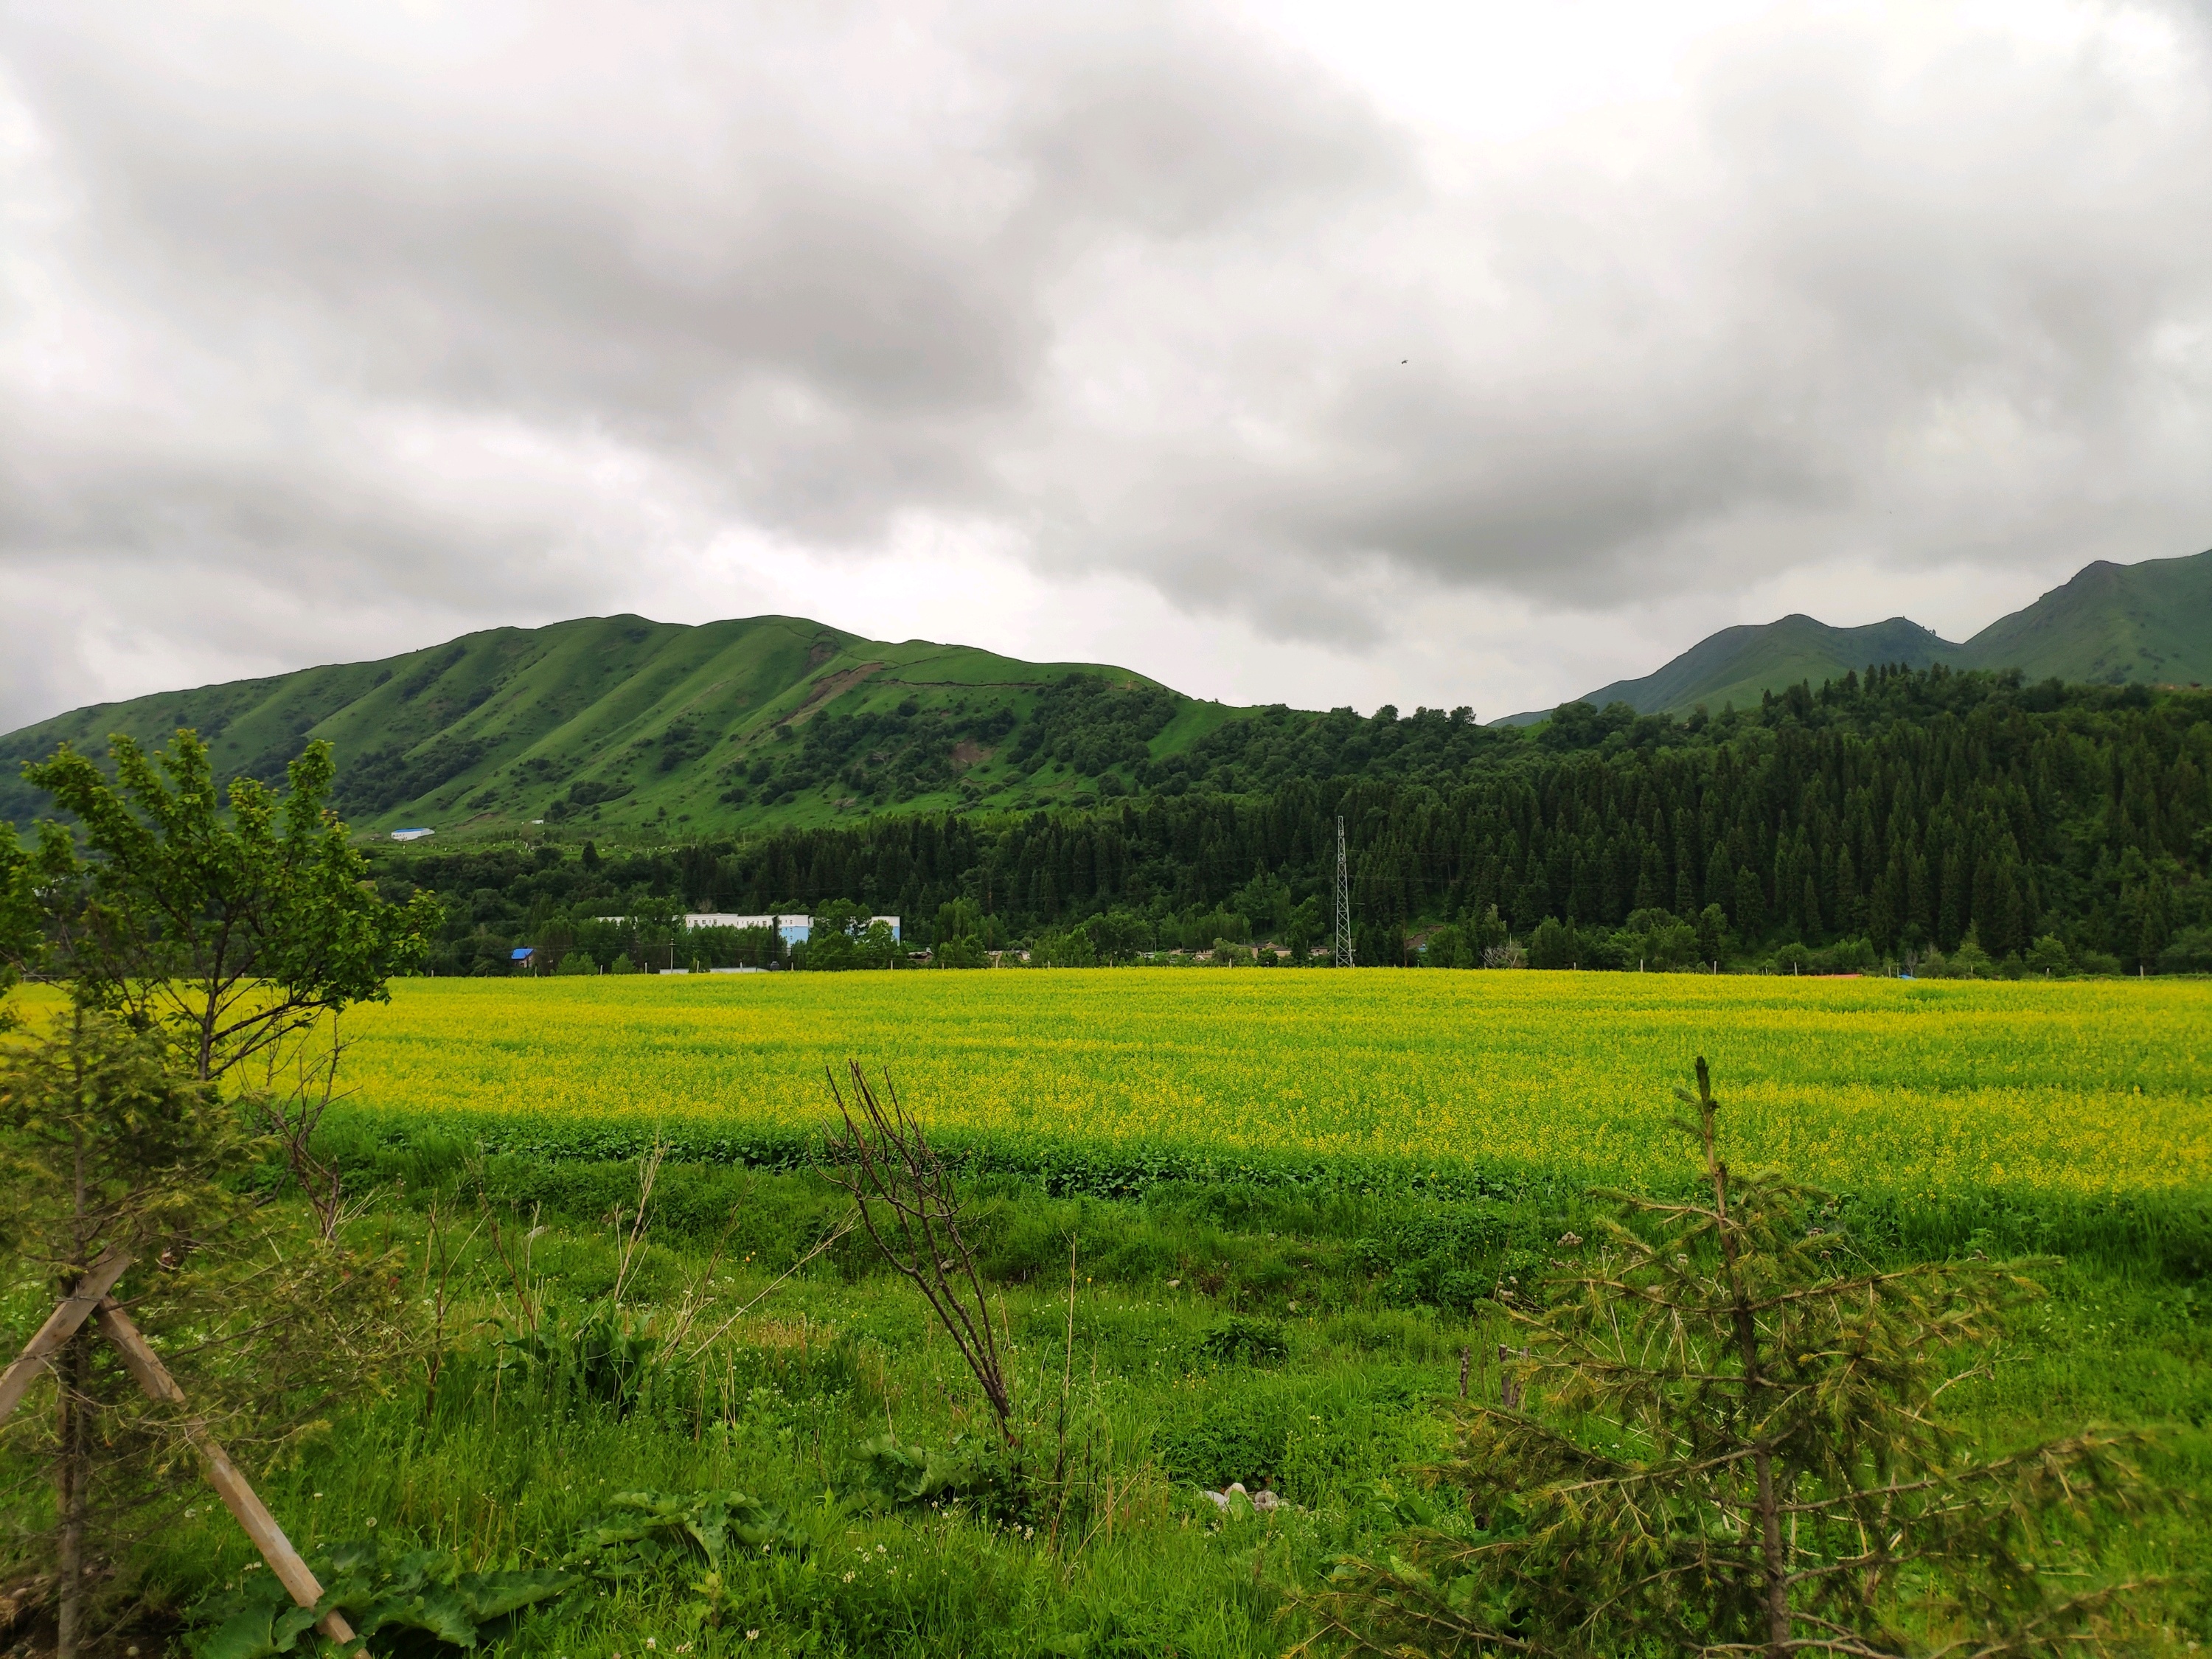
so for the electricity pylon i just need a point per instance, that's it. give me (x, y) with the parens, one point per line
(1341, 956)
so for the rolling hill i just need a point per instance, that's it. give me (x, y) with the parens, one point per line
(2111, 624)
(620, 721)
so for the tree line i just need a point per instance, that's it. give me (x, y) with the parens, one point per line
(1896, 816)
(1900, 814)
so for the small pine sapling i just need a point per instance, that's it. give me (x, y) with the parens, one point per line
(111, 1152)
(1731, 1445)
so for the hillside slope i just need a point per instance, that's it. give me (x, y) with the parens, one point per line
(1737, 664)
(620, 721)
(2111, 624)
(777, 720)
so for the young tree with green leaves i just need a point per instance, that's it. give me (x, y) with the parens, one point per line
(229, 920)
(198, 929)
(1731, 1445)
(22, 934)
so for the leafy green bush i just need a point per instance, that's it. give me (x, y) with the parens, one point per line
(1297, 1434)
(2190, 953)
(404, 1602)
(603, 1354)
(653, 1534)
(981, 1475)
(654, 1531)
(1240, 1339)
(1455, 1258)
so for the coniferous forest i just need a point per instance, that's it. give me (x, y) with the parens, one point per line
(1947, 821)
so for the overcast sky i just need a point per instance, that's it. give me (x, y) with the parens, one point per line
(1324, 354)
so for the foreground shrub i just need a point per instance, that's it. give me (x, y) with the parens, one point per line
(405, 1601)
(1731, 1445)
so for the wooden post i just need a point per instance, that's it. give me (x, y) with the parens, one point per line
(1465, 1355)
(61, 1325)
(253, 1514)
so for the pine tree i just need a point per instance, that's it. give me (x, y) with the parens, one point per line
(1750, 907)
(108, 1145)
(1731, 1447)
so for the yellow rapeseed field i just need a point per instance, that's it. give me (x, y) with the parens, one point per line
(2087, 1087)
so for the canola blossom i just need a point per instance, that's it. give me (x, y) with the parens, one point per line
(2090, 1087)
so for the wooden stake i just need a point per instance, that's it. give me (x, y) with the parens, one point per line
(253, 1514)
(61, 1325)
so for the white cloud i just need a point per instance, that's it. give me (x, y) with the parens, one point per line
(1318, 353)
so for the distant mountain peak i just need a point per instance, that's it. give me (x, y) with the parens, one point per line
(2107, 623)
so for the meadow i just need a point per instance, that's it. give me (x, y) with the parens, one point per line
(2086, 1089)
(1234, 1226)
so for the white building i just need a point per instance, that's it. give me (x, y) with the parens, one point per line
(795, 929)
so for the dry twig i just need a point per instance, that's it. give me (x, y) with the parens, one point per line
(906, 1199)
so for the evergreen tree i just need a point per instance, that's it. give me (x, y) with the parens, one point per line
(1731, 1445)
(108, 1145)
(1750, 916)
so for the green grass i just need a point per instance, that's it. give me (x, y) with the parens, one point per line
(497, 1100)
(843, 1352)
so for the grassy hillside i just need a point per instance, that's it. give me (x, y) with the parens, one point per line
(619, 721)
(2112, 624)
(622, 724)
(1737, 665)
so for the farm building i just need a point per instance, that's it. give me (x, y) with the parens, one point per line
(796, 930)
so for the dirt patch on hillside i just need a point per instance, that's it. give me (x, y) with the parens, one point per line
(831, 686)
(968, 752)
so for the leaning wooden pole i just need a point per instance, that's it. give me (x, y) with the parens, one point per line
(253, 1514)
(91, 1298)
(61, 1325)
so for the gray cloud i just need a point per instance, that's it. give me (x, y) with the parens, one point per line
(488, 315)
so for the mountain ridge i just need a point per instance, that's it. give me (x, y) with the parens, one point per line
(624, 721)
(512, 725)
(2108, 623)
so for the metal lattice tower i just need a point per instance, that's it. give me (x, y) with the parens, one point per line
(1341, 956)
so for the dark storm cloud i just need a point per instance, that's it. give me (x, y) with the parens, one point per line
(467, 316)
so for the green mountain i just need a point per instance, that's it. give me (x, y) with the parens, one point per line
(625, 724)
(2111, 624)
(621, 721)
(1737, 664)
